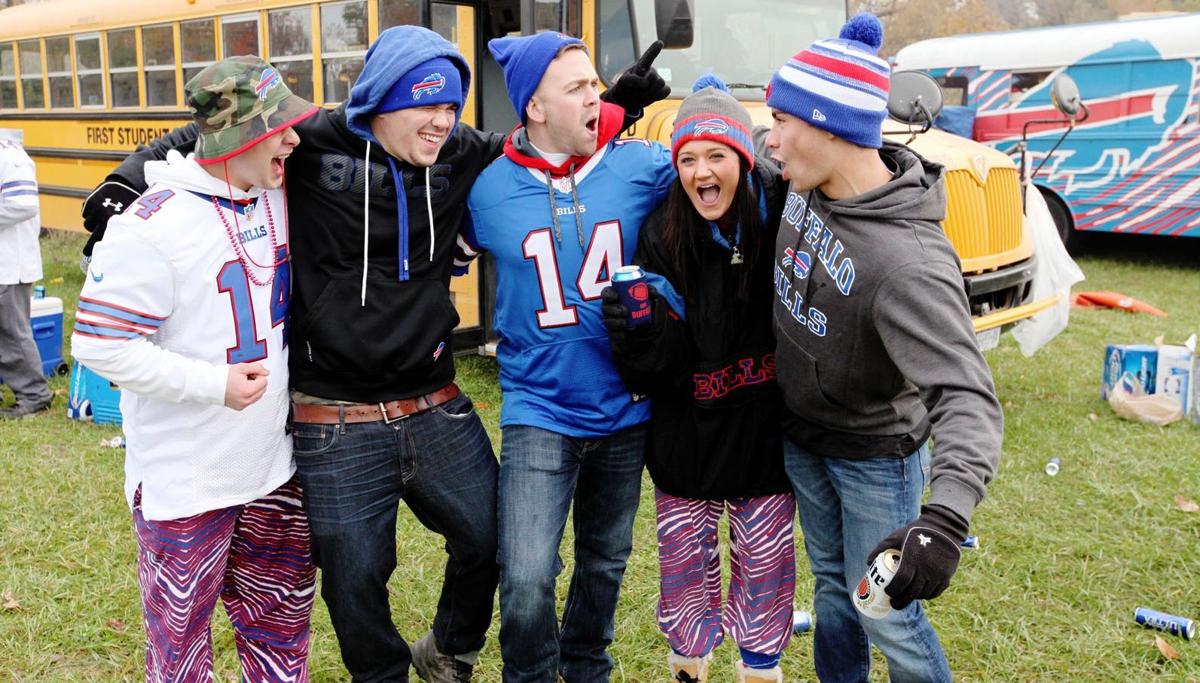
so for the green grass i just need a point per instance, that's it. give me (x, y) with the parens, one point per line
(1049, 596)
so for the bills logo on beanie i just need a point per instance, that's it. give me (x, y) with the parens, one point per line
(711, 113)
(839, 85)
(435, 81)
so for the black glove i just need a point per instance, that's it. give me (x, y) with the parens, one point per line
(929, 552)
(615, 314)
(109, 199)
(640, 86)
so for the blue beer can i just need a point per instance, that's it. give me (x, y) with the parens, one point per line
(801, 622)
(1175, 625)
(630, 283)
(39, 292)
(971, 542)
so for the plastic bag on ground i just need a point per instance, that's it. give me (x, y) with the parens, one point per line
(1130, 401)
(1054, 272)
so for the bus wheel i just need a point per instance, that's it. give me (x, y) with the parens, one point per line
(1062, 220)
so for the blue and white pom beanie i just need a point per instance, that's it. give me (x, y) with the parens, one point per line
(711, 113)
(524, 60)
(839, 85)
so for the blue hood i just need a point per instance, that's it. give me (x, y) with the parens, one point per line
(394, 53)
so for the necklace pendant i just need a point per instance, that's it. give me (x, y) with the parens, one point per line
(736, 257)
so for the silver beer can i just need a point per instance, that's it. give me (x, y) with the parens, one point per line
(869, 598)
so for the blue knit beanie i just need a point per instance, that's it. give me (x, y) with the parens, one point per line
(524, 60)
(435, 81)
(839, 85)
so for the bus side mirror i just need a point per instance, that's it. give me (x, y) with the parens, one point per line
(915, 98)
(1065, 96)
(673, 22)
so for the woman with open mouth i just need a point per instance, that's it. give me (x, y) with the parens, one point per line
(707, 361)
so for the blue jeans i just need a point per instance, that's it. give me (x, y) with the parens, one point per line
(441, 464)
(846, 508)
(541, 472)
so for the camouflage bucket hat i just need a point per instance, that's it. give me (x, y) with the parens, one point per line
(238, 102)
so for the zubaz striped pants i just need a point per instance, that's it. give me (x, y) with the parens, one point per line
(762, 568)
(255, 557)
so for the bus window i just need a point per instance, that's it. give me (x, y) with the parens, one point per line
(58, 69)
(557, 15)
(31, 73)
(1023, 81)
(8, 77)
(239, 35)
(616, 39)
(343, 44)
(399, 12)
(158, 56)
(89, 70)
(443, 19)
(289, 32)
(954, 90)
(199, 44)
(122, 68)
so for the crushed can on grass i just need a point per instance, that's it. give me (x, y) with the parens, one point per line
(630, 283)
(801, 622)
(1173, 624)
(869, 598)
(971, 542)
(1053, 466)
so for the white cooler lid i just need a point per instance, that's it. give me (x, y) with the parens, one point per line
(45, 306)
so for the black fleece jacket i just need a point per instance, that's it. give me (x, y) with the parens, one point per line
(715, 425)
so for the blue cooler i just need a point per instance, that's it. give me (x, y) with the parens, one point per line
(93, 397)
(47, 320)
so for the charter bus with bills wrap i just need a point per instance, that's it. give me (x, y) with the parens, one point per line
(1133, 165)
(87, 81)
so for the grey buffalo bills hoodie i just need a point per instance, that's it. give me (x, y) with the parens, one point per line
(875, 347)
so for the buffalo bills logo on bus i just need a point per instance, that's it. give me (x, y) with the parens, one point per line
(266, 82)
(711, 127)
(430, 85)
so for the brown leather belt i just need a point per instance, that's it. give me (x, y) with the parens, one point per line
(370, 412)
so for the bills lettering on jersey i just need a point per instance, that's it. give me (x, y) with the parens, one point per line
(707, 386)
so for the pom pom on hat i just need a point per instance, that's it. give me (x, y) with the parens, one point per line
(864, 28)
(839, 85)
(709, 81)
(711, 113)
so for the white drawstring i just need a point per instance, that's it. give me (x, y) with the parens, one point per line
(429, 207)
(366, 220)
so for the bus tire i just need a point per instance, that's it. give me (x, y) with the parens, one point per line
(1062, 219)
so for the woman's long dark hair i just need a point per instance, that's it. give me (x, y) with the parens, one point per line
(684, 231)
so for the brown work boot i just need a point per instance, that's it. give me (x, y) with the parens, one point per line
(747, 675)
(434, 667)
(688, 669)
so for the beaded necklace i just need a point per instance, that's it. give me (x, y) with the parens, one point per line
(242, 255)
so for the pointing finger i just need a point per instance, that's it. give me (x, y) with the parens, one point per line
(647, 59)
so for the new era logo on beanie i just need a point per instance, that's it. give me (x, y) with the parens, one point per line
(839, 85)
(432, 82)
(524, 60)
(712, 113)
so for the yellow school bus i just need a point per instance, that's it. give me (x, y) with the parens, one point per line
(88, 80)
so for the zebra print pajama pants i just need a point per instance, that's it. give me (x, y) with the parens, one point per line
(762, 573)
(255, 557)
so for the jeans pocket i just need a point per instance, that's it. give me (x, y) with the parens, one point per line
(313, 439)
(458, 408)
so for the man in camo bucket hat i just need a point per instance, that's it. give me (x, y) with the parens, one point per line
(186, 306)
(238, 102)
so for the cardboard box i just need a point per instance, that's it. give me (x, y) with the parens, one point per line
(1174, 372)
(1193, 410)
(1141, 360)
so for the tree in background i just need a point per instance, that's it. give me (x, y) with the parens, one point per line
(907, 21)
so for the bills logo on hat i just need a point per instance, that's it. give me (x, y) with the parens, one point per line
(711, 127)
(268, 80)
(430, 85)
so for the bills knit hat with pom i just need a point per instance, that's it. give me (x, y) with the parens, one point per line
(839, 85)
(524, 60)
(711, 113)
